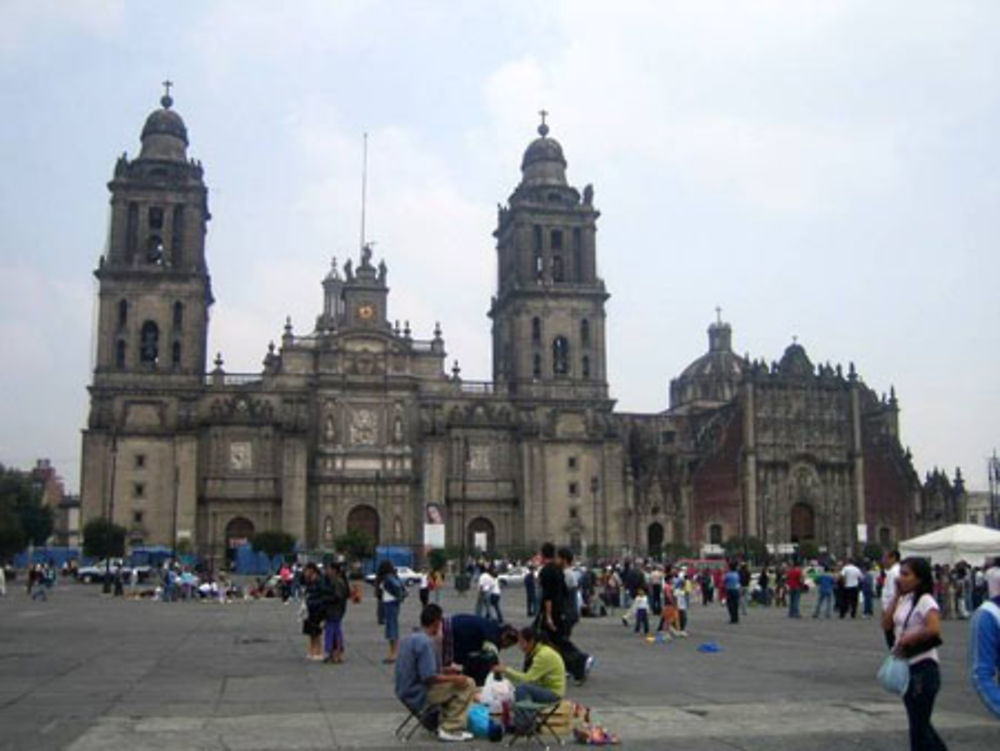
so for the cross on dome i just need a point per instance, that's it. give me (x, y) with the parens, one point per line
(166, 100)
(543, 129)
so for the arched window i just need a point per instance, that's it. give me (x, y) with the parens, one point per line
(154, 249)
(536, 330)
(178, 314)
(122, 313)
(715, 534)
(585, 332)
(120, 354)
(585, 366)
(536, 366)
(560, 356)
(175, 355)
(149, 343)
(558, 272)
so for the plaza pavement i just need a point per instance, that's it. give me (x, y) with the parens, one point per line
(88, 673)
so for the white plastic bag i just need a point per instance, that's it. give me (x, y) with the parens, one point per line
(496, 692)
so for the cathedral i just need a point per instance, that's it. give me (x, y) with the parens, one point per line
(357, 425)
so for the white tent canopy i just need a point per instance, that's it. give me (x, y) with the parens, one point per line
(971, 543)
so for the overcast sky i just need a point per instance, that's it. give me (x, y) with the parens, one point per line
(825, 170)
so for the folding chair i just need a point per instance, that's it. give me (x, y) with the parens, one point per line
(426, 718)
(531, 721)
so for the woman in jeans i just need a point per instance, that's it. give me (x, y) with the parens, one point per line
(392, 596)
(915, 619)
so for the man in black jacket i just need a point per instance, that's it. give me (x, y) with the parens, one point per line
(552, 622)
(335, 592)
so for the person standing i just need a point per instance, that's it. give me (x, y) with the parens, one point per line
(915, 620)
(336, 591)
(731, 583)
(984, 645)
(314, 605)
(891, 566)
(393, 594)
(3, 580)
(824, 584)
(851, 575)
(656, 589)
(744, 587)
(424, 591)
(551, 619)
(794, 582)
(529, 591)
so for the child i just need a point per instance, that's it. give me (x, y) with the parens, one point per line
(682, 595)
(640, 609)
(668, 615)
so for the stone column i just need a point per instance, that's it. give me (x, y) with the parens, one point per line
(185, 489)
(859, 467)
(750, 463)
(293, 487)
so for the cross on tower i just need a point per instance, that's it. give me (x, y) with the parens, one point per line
(718, 315)
(543, 129)
(544, 114)
(166, 87)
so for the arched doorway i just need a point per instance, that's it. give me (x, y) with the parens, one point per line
(803, 523)
(239, 532)
(654, 539)
(364, 519)
(482, 536)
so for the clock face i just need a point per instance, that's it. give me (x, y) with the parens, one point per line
(366, 312)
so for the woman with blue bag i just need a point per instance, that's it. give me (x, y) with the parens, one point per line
(914, 618)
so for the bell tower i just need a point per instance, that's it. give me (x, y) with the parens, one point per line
(155, 289)
(140, 448)
(548, 313)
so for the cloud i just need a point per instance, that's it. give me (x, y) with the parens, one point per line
(24, 23)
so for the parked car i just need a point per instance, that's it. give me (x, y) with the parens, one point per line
(96, 572)
(406, 575)
(513, 575)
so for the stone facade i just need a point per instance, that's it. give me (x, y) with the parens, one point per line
(357, 424)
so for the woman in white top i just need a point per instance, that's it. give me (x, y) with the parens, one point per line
(915, 619)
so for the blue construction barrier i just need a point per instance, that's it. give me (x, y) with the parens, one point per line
(400, 556)
(48, 554)
(253, 563)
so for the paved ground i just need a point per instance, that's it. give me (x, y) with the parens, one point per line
(84, 672)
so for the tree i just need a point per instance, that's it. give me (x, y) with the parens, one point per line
(273, 542)
(752, 548)
(437, 559)
(12, 537)
(355, 544)
(20, 495)
(102, 538)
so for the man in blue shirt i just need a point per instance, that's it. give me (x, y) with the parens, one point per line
(984, 645)
(825, 582)
(420, 680)
(731, 582)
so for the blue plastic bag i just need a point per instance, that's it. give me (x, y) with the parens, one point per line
(478, 720)
(894, 675)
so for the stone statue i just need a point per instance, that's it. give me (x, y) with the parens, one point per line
(588, 195)
(397, 429)
(329, 430)
(348, 270)
(366, 255)
(382, 270)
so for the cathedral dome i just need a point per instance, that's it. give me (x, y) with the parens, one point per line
(713, 377)
(795, 362)
(164, 136)
(543, 162)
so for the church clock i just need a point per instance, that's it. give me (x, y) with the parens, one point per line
(366, 312)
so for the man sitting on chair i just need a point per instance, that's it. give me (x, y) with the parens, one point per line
(544, 677)
(420, 681)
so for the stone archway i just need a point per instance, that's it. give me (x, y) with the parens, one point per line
(654, 539)
(239, 531)
(803, 523)
(481, 530)
(364, 519)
